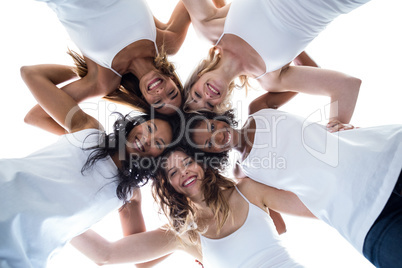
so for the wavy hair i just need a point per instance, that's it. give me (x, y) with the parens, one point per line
(180, 211)
(206, 65)
(129, 92)
(133, 172)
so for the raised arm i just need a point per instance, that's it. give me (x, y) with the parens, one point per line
(132, 222)
(63, 109)
(135, 248)
(172, 34)
(208, 17)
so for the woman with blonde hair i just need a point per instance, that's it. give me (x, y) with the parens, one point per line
(258, 39)
(122, 44)
(209, 217)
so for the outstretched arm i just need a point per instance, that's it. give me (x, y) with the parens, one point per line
(63, 109)
(141, 247)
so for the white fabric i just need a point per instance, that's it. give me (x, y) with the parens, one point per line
(101, 28)
(344, 178)
(45, 201)
(255, 244)
(279, 30)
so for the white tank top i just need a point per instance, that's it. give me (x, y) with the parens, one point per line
(45, 201)
(255, 244)
(344, 178)
(101, 28)
(279, 30)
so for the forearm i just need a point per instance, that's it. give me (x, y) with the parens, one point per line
(39, 118)
(341, 88)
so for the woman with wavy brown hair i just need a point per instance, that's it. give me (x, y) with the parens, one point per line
(209, 217)
(122, 44)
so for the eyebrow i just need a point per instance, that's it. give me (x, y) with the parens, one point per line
(181, 161)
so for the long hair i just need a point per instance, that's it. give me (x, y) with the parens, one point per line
(206, 65)
(134, 172)
(180, 211)
(218, 161)
(129, 93)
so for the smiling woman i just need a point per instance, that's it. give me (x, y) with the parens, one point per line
(356, 44)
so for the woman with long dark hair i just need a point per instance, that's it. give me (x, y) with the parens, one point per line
(60, 191)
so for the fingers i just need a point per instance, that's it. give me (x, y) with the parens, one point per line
(335, 125)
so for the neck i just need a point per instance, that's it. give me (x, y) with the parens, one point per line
(141, 66)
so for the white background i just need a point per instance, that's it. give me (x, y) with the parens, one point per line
(365, 43)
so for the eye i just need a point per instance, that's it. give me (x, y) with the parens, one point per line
(158, 144)
(212, 127)
(210, 105)
(149, 129)
(189, 162)
(172, 173)
(197, 95)
(171, 92)
(209, 145)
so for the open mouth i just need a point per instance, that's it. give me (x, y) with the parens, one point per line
(155, 83)
(138, 145)
(189, 181)
(213, 90)
(228, 138)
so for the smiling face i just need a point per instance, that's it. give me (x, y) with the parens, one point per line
(184, 174)
(208, 92)
(214, 136)
(161, 92)
(149, 138)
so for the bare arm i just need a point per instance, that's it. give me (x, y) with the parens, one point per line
(62, 108)
(132, 222)
(172, 34)
(341, 88)
(79, 90)
(141, 247)
(274, 199)
(278, 221)
(208, 17)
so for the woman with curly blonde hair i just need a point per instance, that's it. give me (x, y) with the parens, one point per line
(122, 44)
(259, 39)
(209, 217)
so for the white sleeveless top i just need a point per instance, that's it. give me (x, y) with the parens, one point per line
(101, 28)
(279, 30)
(45, 201)
(344, 178)
(256, 244)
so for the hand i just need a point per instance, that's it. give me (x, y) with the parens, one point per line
(335, 125)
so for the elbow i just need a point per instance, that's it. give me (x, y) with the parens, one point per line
(29, 119)
(27, 71)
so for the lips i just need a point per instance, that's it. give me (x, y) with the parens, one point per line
(138, 145)
(213, 90)
(155, 83)
(228, 138)
(189, 181)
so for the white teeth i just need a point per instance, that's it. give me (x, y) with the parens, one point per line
(151, 86)
(137, 142)
(229, 138)
(187, 182)
(213, 90)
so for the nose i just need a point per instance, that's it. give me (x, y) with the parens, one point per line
(219, 138)
(147, 140)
